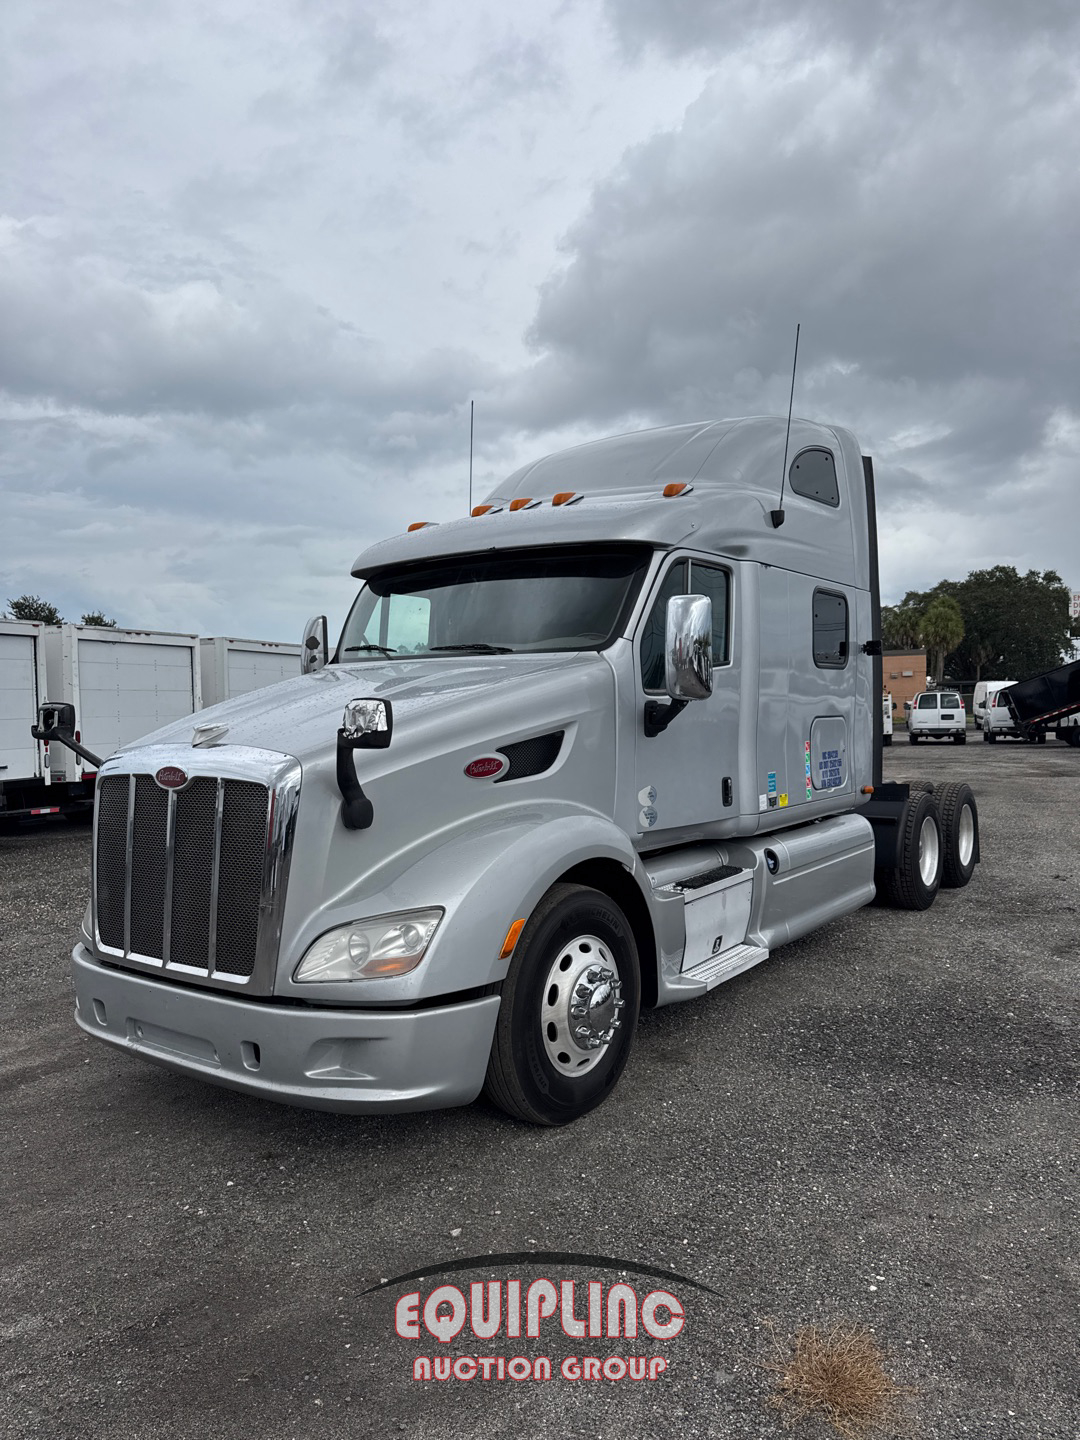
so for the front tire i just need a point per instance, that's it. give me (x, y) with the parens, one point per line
(569, 1009)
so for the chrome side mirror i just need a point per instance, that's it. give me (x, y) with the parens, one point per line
(688, 649)
(315, 651)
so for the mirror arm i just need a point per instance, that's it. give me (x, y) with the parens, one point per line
(659, 716)
(357, 811)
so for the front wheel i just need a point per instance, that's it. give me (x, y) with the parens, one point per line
(569, 1009)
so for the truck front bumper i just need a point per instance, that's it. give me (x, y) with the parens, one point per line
(323, 1059)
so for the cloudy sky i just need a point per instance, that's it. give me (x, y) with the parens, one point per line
(257, 258)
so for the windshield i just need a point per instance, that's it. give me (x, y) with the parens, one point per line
(570, 598)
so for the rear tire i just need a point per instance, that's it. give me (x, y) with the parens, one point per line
(914, 883)
(959, 817)
(576, 941)
(886, 739)
(991, 737)
(912, 739)
(1071, 735)
(959, 739)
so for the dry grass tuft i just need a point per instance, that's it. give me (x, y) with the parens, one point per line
(836, 1372)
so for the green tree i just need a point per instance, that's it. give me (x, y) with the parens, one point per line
(942, 629)
(901, 624)
(32, 607)
(1014, 625)
(97, 617)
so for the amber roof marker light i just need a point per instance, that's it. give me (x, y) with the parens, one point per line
(681, 487)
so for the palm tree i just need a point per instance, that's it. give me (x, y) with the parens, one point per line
(942, 630)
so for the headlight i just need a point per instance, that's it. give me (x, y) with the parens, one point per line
(370, 949)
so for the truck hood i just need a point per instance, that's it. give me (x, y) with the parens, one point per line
(300, 717)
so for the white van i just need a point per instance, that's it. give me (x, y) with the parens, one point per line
(983, 698)
(938, 715)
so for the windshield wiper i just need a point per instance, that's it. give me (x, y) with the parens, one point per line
(487, 649)
(382, 649)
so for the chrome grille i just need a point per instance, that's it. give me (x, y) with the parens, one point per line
(111, 866)
(185, 880)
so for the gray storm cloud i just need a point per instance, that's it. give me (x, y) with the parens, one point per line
(255, 261)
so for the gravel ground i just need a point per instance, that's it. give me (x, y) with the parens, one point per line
(878, 1124)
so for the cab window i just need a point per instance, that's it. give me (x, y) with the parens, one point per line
(685, 577)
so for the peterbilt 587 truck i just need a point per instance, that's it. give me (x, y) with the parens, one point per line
(602, 744)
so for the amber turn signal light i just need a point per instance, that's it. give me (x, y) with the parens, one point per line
(511, 939)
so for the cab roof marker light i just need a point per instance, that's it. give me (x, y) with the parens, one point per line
(677, 488)
(420, 525)
(478, 510)
(564, 497)
(524, 502)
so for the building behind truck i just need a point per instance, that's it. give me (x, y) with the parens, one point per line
(606, 743)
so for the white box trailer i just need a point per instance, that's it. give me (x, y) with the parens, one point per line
(29, 784)
(121, 683)
(233, 667)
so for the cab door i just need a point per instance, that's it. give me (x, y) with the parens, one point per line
(687, 776)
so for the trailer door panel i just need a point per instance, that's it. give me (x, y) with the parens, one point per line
(127, 689)
(253, 669)
(19, 700)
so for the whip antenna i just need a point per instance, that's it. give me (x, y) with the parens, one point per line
(777, 515)
(472, 412)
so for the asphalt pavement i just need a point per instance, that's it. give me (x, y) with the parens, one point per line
(878, 1124)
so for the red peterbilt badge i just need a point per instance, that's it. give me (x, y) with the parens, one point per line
(486, 767)
(171, 777)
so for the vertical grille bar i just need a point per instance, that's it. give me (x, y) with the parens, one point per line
(170, 856)
(129, 846)
(193, 853)
(148, 867)
(215, 877)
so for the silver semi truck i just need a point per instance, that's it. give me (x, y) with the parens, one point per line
(603, 744)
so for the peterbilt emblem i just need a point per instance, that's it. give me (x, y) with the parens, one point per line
(171, 777)
(486, 767)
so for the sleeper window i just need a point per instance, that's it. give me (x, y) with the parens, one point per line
(830, 629)
(813, 475)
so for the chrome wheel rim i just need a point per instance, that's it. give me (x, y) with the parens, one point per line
(580, 1005)
(929, 851)
(965, 841)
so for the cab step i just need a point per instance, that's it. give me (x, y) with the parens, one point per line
(719, 968)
